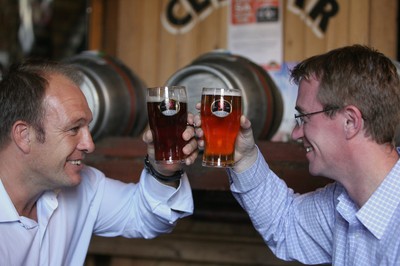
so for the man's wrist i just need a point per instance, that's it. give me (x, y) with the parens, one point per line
(247, 161)
(149, 167)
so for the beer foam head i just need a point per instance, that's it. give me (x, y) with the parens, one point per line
(158, 94)
(221, 91)
(162, 98)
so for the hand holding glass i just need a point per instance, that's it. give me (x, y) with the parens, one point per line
(220, 118)
(167, 113)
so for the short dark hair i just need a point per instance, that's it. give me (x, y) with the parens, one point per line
(22, 90)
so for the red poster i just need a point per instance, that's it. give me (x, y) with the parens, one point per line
(254, 11)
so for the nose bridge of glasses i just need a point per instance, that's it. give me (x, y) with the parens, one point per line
(299, 120)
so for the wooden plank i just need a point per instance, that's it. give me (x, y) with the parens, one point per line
(222, 13)
(151, 47)
(383, 25)
(96, 24)
(138, 43)
(314, 43)
(294, 33)
(110, 37)
(209, 29)
(130, 31)
(169, 50)
(338, 27)
(358, 22)
(118, 261)
(188, 44)
(198, 242)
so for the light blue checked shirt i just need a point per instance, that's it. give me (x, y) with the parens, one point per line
(324, 226)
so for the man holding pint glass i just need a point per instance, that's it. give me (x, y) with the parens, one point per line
(51, 203)
(348, 118)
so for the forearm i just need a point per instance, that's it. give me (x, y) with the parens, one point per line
(260, 192)
(283, 218)
(164, 205)
(145, 209)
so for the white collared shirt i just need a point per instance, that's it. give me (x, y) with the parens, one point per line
(99, 205)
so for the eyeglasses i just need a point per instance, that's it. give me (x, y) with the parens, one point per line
(300, 117)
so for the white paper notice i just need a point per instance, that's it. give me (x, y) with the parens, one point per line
(255, 31)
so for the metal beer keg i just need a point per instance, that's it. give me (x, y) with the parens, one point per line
(262, 100)
(116, 96)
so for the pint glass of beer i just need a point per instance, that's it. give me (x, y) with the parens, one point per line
(220, 119)
(167, 113)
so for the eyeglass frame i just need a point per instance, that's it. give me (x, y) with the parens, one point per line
(299, 117)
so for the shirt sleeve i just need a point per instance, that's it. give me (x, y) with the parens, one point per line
(143, 210)
(166, 201)
(294, 226)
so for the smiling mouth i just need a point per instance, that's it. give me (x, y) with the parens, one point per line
(76, 162)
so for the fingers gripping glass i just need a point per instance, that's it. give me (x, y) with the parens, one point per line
(300, 117)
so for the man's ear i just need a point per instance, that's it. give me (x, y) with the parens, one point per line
(21, 135)
(354, 121)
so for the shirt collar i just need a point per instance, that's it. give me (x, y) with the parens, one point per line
(376, 213)
(8, 213)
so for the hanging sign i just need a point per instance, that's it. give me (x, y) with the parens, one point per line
(255, 31)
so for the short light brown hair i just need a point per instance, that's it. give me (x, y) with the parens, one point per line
(361, 76)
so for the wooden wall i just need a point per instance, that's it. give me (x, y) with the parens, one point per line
(132, 31)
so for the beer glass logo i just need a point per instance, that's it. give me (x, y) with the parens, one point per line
(221, 108)
(169, 107)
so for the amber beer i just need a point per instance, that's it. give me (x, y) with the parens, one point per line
(220, 118)
(167, 113)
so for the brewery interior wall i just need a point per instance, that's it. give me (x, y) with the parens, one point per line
(155, 49)
(219, 233)
(133, 32)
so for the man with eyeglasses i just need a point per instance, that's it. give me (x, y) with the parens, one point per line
(348, 107)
